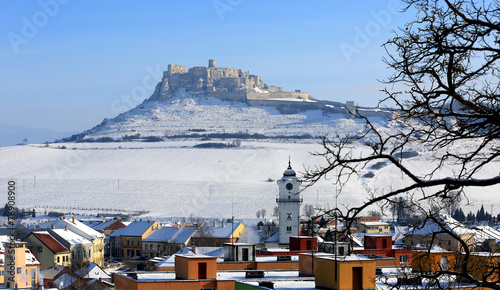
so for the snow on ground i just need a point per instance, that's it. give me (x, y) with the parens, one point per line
(174, 179)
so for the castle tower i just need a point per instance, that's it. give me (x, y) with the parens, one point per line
(211, 63)
(289, 201)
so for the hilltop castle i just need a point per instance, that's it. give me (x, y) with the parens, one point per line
(231, 84)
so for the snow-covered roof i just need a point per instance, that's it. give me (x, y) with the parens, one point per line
(170, 261)
(274, 238)
(51, 272)
(78, 227)
(449, 222)
(64, 280)
(163, 234)
(50, 242)
(136, 228)
(93, 271)
(373, 224)
(31, 260)
(70, 237)
(483, 233)
(223, 232)
(183, 235)
(102, 225)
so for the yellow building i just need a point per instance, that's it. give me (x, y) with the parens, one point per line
(48, 250)
(133, 235)
(373, 227)
(19, 267)
(348, 272)
(218, 236)
(85, 243)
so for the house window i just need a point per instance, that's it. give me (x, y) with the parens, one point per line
(128, 243)
(288, 229)
(151, 246)
(403, 259)
(288, 216)
(34, 280)
(18, 270)
(58, 260)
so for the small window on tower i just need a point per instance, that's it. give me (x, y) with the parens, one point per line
(288, 216)
(289, 229)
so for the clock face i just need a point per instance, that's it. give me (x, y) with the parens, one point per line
(289, 186)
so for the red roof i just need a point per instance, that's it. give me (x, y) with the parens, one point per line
(50, 242)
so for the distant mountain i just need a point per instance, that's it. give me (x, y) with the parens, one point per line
(12, 135)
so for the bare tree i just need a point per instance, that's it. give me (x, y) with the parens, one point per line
(263, 213)
(444, 96)
(309, 210)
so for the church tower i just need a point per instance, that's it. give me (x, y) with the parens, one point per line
(289, 201)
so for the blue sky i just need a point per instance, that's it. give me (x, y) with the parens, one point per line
(66, 64)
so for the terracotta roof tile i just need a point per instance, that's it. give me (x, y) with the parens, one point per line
(50, 242)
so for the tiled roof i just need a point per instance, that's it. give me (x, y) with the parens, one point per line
(51, 243)
(111, 225)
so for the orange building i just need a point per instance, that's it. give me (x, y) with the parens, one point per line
(433, 261)
(19, 266)
(349, 272)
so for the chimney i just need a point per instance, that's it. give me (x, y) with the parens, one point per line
(73, 220)
(66, 228)
(149, 220)
(53, 227)
(223, 223)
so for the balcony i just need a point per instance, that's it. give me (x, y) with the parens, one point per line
(292, 200)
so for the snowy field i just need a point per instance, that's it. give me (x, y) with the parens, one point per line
(174, 179)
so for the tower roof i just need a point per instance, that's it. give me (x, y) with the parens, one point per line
(289, 171)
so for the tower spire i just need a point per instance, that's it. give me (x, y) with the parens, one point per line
(289, 162)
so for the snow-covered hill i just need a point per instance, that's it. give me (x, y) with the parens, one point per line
(195, 114)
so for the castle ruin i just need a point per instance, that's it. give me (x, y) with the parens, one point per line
(231, 84)
(224, 83)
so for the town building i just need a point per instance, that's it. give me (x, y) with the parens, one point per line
(217, 236)
(133, 235)
(84, 243)
(166, 241)
(19, 268)
(48, 250)
(373, 227)
(426, 234)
